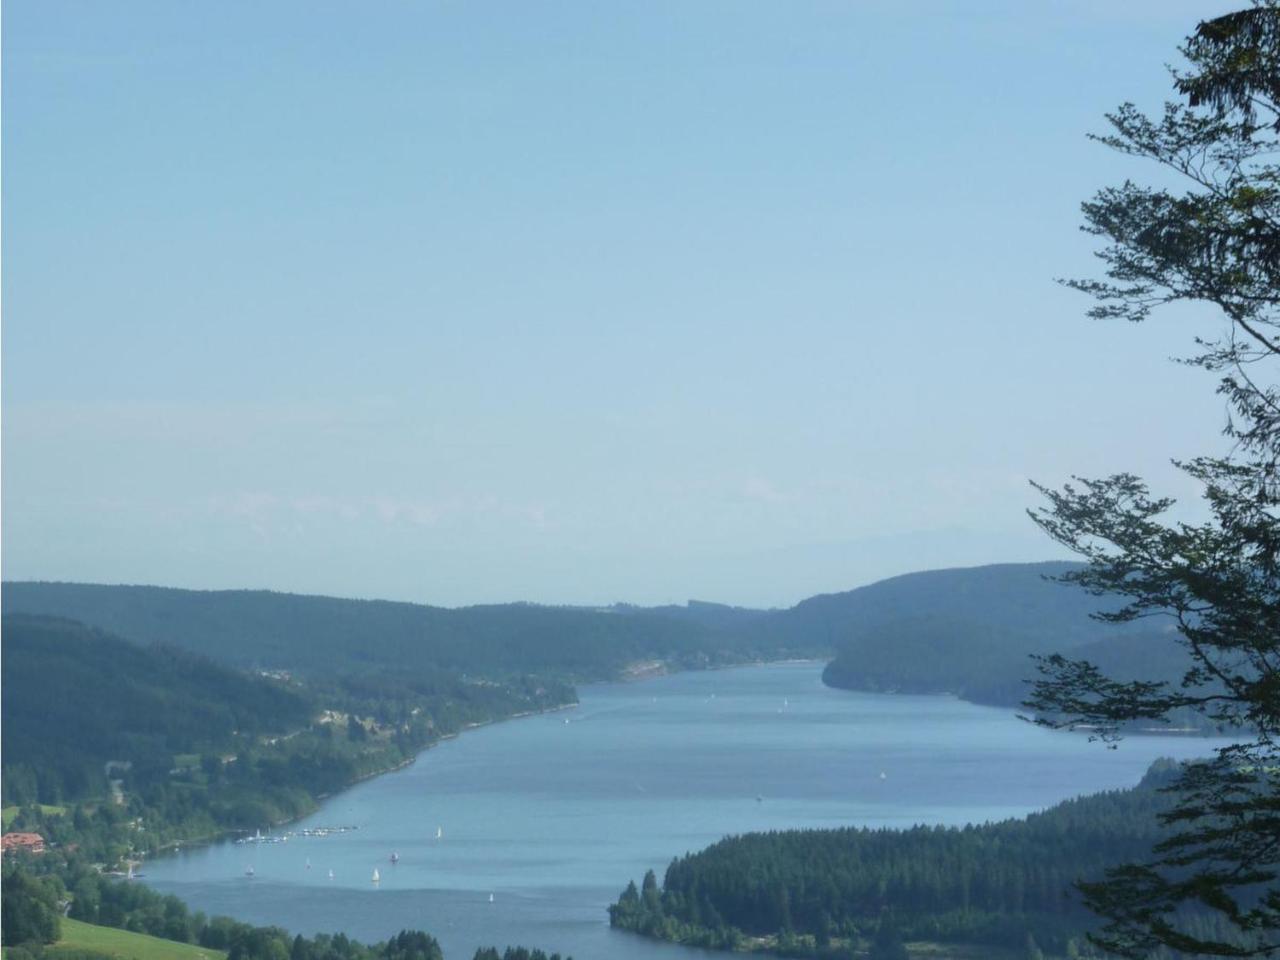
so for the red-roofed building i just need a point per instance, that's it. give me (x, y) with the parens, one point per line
(30, 842)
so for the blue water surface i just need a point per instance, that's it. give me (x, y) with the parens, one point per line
(551, 815)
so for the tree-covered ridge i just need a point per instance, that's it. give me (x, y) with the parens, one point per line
(264, 628)
(1012, 597)
(983, 662)
(1007, 610)
(326, 635)
(814, 890)
(151, 745)
(973, 633)
(76, 698)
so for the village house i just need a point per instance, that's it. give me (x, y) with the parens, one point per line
(30, 842)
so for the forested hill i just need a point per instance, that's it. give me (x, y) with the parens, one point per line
(328, 635)
(827, 892)
(964, 631)
(1014, 598)
(972, 632)
(74, 698)
(191, 747)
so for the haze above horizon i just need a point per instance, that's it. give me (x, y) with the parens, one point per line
(568, 303)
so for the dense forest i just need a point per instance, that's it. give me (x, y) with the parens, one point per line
(75, 698)
(921, 632)
(1015, 598)
(984, 662)
(326, 635)
(827, 891)
(973, 632)
(178, 747)
(999, 608)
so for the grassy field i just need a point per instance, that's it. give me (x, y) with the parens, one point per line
(127, 946)
(8, 813)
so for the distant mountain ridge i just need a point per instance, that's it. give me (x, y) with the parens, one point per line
(967, 631)
(258, 628)
(1014, 596)
(972, 632)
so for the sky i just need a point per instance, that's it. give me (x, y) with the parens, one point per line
(568, 302)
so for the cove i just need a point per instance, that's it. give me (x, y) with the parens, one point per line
(553, 814)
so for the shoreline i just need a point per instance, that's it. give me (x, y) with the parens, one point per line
(227, 834)
(1172, 733)
(658, 669)
(652, 669)
(632, 673)
(415, 788)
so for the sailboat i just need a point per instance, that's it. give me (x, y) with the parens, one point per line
(330, 874)
(248, 871)
(439, 832)
(308, 863)
(376, 878)
(491, 898)
(395, 858)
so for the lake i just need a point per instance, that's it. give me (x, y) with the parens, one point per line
(553, 814)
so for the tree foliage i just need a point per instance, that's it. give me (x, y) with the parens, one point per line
(30, 908)
(1214, 241)
(149, 746)
(992, 884)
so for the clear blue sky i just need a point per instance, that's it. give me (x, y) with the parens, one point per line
(566, 301)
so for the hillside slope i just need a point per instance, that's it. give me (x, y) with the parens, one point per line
(991, 884)
(972, 632)
(967, 631)
(73, 698)
(326, 635)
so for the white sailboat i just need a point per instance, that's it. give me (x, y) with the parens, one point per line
(439, 832)
(491, 898)
(376, 878)
(330, 874)
(248, 871)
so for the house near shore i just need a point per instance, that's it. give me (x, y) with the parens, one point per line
(30, 842)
